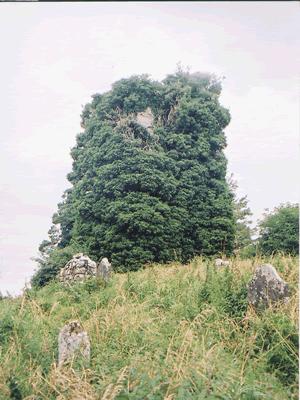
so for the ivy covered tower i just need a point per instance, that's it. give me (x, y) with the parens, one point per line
(148, 178)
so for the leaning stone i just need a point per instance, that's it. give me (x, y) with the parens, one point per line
(104, 269)
(73, 342)
(267, 287)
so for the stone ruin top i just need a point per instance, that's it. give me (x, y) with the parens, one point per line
(81, 267)
(78, 268)
(145, 119)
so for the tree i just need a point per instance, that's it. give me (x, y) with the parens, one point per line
(50, 258)
(144, 195)
(279, 230)
(48, 267)
(242, 215)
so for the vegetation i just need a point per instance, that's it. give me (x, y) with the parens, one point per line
(140, 196)
(279, 230)
(242, 215)
(164, 332)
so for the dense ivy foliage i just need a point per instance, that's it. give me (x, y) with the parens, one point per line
(279, 230)
(141, 195)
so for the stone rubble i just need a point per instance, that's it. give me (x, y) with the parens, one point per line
(78, 268)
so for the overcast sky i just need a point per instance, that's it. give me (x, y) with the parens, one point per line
(54, 56)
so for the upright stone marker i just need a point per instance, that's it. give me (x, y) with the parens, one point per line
(73, 342)
(267, 287)
(104, 269)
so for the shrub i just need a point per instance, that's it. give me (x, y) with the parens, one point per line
(277, 342)
(222, 290)
(49, 267)
(279, 230)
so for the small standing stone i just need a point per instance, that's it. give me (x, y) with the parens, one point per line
(267, 287)
(104, 269)
(221, 263)
(72, 341)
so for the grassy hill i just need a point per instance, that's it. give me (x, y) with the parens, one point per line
(165, 332)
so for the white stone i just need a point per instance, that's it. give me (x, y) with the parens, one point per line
(221, 263)
(145, 118)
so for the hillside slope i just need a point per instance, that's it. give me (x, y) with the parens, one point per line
(165, 332)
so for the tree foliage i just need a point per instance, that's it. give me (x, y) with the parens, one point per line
(279, 230)
(140, 195)
(242, 215)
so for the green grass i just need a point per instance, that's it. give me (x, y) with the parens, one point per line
(165, 332)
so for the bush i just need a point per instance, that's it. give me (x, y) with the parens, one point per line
(49, 267)
(6, 328)
(223, 291)
(279, 230)
(249, 251)
(277, 342)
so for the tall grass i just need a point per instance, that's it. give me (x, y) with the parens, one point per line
(165, 332)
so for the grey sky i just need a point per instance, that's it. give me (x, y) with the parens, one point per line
(55, 55)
